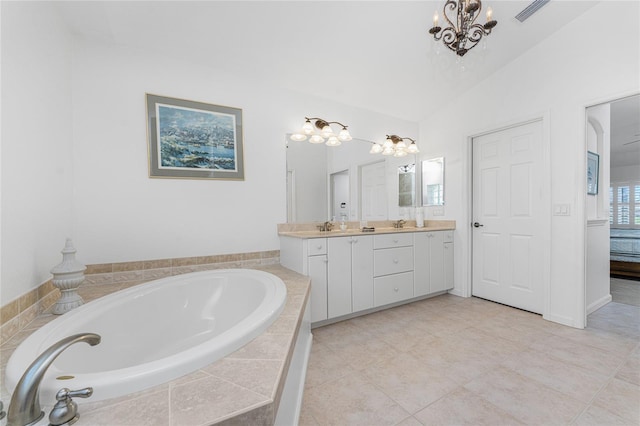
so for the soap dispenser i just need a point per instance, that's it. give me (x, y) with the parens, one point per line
(419, 217)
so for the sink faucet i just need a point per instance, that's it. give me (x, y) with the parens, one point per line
(24, 408)
(399, 223)
(325, 227)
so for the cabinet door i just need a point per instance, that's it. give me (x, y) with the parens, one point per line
(448, 266)
(436, 262)
(339, 276)
(318, 273)
(362, 272)
(422, 253)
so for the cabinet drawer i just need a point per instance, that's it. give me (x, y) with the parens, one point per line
(392, 288)
(392, 240)
(317, 246)
(392, 261)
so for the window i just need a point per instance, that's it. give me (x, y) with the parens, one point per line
(624, 205)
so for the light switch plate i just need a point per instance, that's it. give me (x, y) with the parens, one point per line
(562, 210)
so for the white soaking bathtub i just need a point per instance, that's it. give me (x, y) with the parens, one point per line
(154, 332)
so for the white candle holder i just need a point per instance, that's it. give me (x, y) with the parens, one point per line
(67, 277)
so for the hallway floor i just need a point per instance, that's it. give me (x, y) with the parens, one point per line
(454, 361)
(625, 291)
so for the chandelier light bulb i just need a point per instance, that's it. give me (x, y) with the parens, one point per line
(435, 18)
(316, 139)
(326, 131)
(333, 141)
(413, 148)
(376, 149)
(489, 14)
(388, 151)
(344, 135)
(307, 128)
(298, 137)
(401, 146)
(388, 144)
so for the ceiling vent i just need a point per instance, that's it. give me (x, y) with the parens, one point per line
(531, 9)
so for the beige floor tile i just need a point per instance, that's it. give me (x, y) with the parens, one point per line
(258, 376)
(352, 400)
(528, 401)
(405, 380)
(514, 366)
(621, 398)
(151, 410)
(585, 356)
(410, 421)
(596, 416)
(463, 407)
(577, 382)
(324, 366)
(630, 371)
(362, 352)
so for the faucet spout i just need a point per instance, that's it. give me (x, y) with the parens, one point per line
(24, 408)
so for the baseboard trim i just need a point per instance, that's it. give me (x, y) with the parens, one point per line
(598, 304)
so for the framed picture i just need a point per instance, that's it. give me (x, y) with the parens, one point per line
(593, 165)
(194, 140)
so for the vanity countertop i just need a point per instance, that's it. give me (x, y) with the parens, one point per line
(309, 230)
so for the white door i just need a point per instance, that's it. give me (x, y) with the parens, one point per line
(373, 190)
(508, 214)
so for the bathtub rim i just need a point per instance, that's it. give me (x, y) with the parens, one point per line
(250, 326)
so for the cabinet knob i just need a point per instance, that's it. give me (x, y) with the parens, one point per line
(319, 247)
(395, 260)
(396, 289)
(395, 240)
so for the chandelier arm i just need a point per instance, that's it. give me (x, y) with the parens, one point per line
(452, 4)
(448, 36)
(475, 33)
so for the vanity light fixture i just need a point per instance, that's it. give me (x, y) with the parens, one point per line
(320, 130)
(396, 146)
(465, 33)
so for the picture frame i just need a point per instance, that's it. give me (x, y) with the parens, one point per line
(593, 171)
(194, 140)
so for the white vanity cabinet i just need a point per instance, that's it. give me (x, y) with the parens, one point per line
(433, 262)
(393, 268)
(350, 274)
(358, 273)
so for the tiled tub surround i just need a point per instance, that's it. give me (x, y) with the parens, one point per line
(15, 315)
(242, 388)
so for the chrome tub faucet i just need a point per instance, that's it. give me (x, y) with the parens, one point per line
(24, 408)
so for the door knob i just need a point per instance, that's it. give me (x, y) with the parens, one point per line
(477, 225)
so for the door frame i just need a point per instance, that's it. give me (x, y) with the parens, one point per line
(582, 308)
(546, 183)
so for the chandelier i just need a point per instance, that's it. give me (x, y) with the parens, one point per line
(396, 146)
(320, 130)
(465, 33)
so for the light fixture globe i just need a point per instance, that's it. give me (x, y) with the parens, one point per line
(333, 141)
(316, 139)
(307, 127)
(376, 148)
(319, 130)
(344, 135)
(326, 131)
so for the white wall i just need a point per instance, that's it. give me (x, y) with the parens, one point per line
(625, 173)
(120, 214)
(36, 148)
(582, 64)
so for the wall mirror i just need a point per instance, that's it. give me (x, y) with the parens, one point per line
(407, 185)
(433, 182)
(345, 182)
